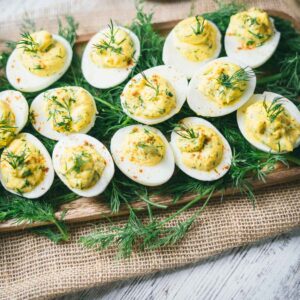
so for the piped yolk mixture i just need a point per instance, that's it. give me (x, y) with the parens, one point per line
(40, 54)
(149, 97)
(278, 131)
(115, 49)
(252, 27)
(82, 166)
(195, 39)
(144, 147)
(23, 166)
(201, 147)
(223, 83)
(7, 124)
(70, 110)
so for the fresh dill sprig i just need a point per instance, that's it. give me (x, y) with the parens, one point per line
(150, 84)
(80, 160)
(145, 236)
(28, 43)
(110, 45)
(240, 76)
(199, 25)
(185, 131)
(69, 30)
(274, 109)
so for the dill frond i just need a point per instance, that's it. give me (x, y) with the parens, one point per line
(274, 109)
(70, 29)
(185, 132)
(28, 43)
(240, 76)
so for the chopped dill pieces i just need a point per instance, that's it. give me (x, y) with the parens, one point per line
(274, 109)
(80, 160)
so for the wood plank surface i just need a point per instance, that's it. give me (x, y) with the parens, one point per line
(89, 209)
(268, 270)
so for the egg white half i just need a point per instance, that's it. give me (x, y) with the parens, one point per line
(19, 106)
(146, 175)
(290, 107)
(45, 185)
(75, 140)
(23, 80)
(104, 78)
(203, 106)
(255, 57)
(41, 123)
(211, 175)
(178, 82)
(172, 56)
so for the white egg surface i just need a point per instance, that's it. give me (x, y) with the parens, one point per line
(220, 170)
(76, 107)
(172, 56)
(107, 77)
(77, 140)
(24, 80)
(147, 175)
(202, 105)
(48, 178)
(288, 105)
(254, 57)
(177, 81)
(18, 105)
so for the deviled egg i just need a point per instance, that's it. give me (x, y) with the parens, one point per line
(270, 122)
(192, 43)
(13, 115)
(110, 56)
(200, 150)
(61, 111)
(220, 87)
(251, 37)
(26, 167)
(154, 95)
(143, 154)
(39, 60)
(83, 164)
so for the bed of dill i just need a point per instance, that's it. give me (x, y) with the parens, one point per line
(281, 74)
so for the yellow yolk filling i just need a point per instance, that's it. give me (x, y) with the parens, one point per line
(144, 147)
(44, 56)
(115, 49)
(82, 166)
(203, 150)
(23, 166)
(220, 85)
(69, 110)
(150, 97)
(7, 124)
(280, 134)
(195, 39)
(252, 27)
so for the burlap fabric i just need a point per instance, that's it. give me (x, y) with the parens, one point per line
(32, 267)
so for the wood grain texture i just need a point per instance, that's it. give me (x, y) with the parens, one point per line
(266, 270)
(90, 209)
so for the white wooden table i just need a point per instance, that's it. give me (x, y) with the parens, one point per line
(267, 270)
(264, 271)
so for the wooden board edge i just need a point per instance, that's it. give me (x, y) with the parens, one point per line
(92, 209)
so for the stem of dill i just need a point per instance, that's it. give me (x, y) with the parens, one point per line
(268, 79)
(293, 159)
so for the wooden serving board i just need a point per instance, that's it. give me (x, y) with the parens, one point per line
(90, 209)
